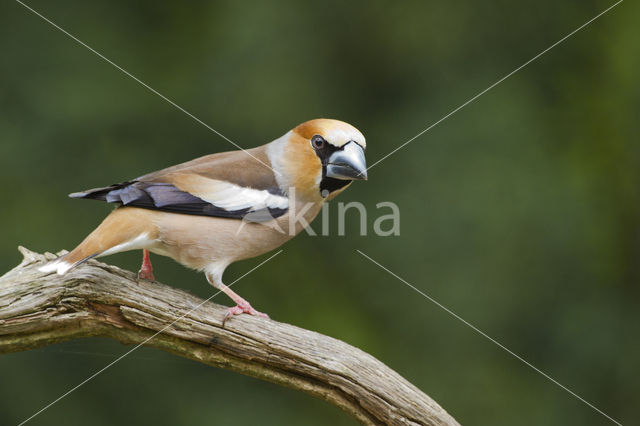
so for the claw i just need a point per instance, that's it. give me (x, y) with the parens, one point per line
(242, 308)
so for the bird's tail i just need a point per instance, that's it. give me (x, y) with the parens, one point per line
(68, 261)
(126, 228)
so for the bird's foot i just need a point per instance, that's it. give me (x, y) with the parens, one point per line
(145, 274)
(146, 270)
(242, 308)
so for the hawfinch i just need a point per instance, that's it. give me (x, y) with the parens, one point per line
(212, 211)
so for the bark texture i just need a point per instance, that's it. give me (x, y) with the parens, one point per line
(97, 299)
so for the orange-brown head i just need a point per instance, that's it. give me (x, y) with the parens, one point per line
(320, 158)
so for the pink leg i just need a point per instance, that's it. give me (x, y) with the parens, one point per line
(146, 270)
(242, 306)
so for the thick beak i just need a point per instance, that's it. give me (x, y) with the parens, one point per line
(348, 163)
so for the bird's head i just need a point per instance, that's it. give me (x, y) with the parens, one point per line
(320, 158)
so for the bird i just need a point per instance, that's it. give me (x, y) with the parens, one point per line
(212, 211)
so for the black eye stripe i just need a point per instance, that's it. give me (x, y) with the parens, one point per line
(323, 149)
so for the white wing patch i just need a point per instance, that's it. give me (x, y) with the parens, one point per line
(229, 196)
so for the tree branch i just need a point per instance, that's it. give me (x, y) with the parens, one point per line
(96, 299)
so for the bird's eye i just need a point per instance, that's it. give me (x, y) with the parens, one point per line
(318, 142)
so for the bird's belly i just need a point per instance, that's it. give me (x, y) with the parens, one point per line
(198, 241)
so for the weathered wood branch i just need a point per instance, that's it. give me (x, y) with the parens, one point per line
(96, 299)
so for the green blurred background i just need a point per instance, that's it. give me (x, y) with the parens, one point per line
(520, 212)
